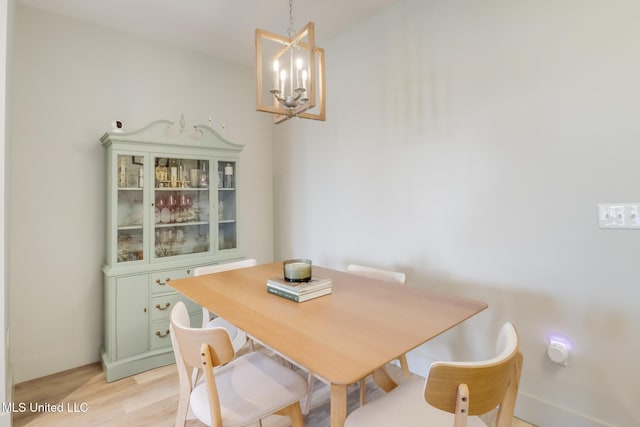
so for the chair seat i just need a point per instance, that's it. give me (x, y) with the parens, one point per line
(404, 406)
(219, 322)
(249, 387)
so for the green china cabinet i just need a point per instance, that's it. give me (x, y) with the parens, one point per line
(171, 206)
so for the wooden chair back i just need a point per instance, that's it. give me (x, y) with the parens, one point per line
(195, 345)
(474, 388)
(190, 340)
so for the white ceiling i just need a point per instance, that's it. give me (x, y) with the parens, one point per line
(224, 28)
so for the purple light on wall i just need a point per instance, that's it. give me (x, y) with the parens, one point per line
(561, 338)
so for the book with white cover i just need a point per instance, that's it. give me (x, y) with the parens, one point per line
(298, 297)
(314, 284)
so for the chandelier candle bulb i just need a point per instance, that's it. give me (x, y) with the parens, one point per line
(276, 67)
(298, 68)
(297, 270)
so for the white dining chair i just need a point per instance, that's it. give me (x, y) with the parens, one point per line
(238, 336)
(240, 390)
(454, 393)
(394, 277)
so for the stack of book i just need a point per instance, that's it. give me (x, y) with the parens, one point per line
(299, 291)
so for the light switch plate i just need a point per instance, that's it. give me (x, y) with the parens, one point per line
(619, 215)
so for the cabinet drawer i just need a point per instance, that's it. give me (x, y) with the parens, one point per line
(160, 334)
(160, 331)
(160, 280)
(162, 305)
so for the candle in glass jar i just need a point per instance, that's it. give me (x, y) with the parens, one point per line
(297, 270)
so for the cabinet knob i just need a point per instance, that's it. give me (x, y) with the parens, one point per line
(161, 335)
(159, 282)
(159, 307)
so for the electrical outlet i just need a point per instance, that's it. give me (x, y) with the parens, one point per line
(634, 216)
(619, 215)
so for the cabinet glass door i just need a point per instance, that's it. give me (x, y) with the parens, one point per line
(227, 234)
(130, 181)
(181, 205)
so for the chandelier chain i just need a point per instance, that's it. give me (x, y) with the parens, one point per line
(291, 31)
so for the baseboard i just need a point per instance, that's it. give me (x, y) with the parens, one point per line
(529, 408)
(544, 413)
(136, 364)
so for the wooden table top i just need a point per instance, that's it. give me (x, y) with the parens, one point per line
(342, 337)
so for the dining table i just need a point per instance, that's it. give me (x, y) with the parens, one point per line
(342, 337)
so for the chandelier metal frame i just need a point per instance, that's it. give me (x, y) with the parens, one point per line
(308, 92)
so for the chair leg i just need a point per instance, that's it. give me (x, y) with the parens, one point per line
(195, 376)
(311, 381)
(185, 388)
(363, 391)
(284, 362)
(293, 411)
(181, 416)
(296, 416)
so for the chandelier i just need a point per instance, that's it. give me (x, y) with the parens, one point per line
(290, 73)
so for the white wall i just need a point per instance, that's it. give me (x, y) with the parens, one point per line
(6, 13)
(468, 143)
(71, 80)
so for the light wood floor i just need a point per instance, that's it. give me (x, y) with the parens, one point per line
(146, 399)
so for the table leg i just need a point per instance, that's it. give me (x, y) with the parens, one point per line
(338, 405)
(383, 379)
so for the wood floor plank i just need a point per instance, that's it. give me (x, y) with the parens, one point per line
(147, 399)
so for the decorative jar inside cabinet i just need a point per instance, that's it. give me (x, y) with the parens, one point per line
(171, 206)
